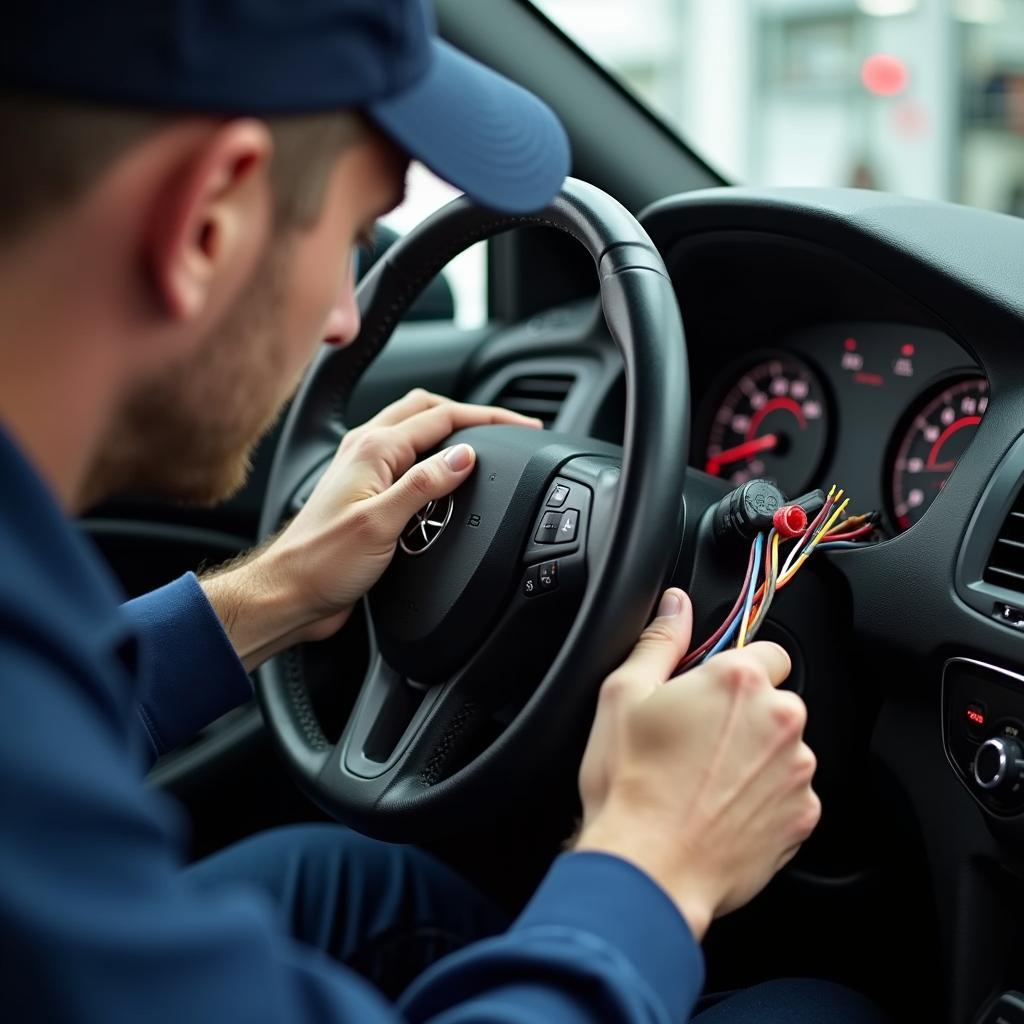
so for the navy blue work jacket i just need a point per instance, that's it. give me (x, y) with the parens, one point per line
(99, 923)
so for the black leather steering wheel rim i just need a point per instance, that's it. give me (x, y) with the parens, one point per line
(624, 579)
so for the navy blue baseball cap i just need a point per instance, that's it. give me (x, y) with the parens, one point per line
(471, 126)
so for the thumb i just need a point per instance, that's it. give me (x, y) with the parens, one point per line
(428, 480)
(664, 642)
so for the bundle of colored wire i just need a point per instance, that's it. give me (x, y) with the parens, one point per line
(698, 652)
(764, 578)
(851, 529)
(767, 591)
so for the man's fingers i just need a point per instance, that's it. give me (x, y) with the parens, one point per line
(426, 481)
(424, 430)
(417, 400)
(663, 643)
(763, 654)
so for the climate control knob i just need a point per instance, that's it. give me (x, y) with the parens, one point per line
(999, 763)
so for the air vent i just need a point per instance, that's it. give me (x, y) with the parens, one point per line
(1005, 565)
(540, 395)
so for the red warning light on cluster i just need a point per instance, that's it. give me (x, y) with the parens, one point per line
(850, 344)
(907, 350)
(975, 716)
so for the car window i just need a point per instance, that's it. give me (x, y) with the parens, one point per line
(919, 97)
(467, 273)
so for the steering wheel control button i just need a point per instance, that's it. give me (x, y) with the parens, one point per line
(558, 532)
(531, 584)
(567, 525)
(998, 764)
(549, 529)
(547, 575)
(558, 495)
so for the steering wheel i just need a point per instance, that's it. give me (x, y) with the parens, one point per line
(513, 600)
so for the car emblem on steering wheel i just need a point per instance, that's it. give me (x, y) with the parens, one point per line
(426, 526)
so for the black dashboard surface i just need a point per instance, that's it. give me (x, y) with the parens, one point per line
(854, 285)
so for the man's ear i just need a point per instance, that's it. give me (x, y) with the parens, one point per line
(212, 219)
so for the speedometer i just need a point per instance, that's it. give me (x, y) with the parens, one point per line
(773, 422)
(936, 435)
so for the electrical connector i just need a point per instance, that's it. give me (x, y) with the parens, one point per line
(790, 522)
(748, 510)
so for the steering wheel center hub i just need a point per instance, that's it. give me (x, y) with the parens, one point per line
(459, 559)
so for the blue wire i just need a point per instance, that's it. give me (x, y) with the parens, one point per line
(727, 637)
(755, 576)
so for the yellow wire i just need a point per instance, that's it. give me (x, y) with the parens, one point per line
(806, 553)
(749, 612)
(781, 581)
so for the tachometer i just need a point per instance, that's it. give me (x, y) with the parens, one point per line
(773, 423)
(935, 437)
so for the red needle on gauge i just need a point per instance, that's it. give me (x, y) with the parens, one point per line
(740, 451)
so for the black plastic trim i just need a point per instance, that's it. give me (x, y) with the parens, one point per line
(996, 501)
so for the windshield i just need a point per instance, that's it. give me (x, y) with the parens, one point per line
(919, 97)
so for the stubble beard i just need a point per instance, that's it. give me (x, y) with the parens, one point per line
(189, 435)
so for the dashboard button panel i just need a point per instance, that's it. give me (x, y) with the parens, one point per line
(983, 724)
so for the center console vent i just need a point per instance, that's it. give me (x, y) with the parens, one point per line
(540, 395)
(1005, 564)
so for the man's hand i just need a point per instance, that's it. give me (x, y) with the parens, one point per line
(304, 585)
(704, 781)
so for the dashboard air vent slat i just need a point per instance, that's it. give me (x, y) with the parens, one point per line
(1005, 565)
(540, 395)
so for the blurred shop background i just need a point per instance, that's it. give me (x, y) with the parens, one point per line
(919, 97)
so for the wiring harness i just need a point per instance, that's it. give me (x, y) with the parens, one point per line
(767, 571)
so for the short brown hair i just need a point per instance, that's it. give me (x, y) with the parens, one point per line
(52, 150)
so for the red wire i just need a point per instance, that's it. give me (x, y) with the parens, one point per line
(818, 520)
(802, 540)
(720, 632)
(861, 531)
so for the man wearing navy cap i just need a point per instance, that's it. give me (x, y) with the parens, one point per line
(182, 183)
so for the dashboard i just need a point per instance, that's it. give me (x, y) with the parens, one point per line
(886, 410)
(850, 337)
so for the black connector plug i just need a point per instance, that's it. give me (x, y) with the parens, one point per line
(748, 511)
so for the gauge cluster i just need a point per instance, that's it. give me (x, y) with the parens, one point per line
(885, 409)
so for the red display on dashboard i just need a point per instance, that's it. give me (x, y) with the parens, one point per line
(975, 716)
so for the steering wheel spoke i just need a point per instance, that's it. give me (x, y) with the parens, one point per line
(502, 611)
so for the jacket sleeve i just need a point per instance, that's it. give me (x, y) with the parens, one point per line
(190, 670)
(599, 941)
(99, 922)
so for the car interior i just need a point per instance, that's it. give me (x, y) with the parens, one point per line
(679, 335)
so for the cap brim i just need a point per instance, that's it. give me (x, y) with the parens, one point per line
(479, 131)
